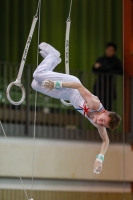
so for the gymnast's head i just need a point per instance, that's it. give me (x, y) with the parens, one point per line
(108, 119)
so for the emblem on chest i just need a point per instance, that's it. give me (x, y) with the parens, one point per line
(84, 108)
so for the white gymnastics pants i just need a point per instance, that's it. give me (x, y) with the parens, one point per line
(45, 71)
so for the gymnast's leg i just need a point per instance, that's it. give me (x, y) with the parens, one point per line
(52, 59)
(44, 71)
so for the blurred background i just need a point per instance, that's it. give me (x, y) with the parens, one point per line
(66, 143)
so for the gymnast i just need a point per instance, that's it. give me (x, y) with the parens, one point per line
(68, 87)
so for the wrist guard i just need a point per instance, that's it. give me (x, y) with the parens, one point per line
(57, 84)
(100, 158)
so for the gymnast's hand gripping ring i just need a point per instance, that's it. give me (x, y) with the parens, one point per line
(18, 80)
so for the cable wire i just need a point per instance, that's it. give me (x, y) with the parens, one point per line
(11, 152)
(70, 8)
(124, 164)
(12, 158)
(34, 136)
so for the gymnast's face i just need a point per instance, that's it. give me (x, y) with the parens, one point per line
(110, 51)
(102, 120)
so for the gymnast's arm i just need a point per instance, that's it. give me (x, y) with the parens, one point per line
(92, 102)
(103, 133)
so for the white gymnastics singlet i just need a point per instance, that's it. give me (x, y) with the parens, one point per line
(80, 105)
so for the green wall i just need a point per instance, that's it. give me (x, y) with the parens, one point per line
(94, 22)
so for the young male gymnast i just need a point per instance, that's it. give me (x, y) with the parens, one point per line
(68, 87)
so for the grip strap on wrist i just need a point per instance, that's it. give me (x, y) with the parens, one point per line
(100, 158)
(57, 84)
